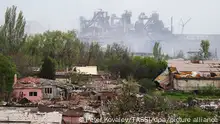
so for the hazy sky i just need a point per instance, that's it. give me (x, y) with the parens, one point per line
(64, 14)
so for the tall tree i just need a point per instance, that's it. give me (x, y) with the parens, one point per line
(48, 69)
(157, 51)
(33, 47)
(205, 48)
(2, 41)
(7, 72)
(12, 36)
(13, 30)
(94, 54)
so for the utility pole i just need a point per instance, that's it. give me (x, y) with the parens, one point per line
(171, 24)
(216, 54)
(8, 119)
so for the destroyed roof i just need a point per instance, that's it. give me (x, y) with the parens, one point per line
(31, 82)
(28, 82)
(184, 66)
(163, 79)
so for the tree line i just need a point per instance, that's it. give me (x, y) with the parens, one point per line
(66, 50)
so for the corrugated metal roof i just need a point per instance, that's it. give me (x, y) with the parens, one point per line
(208, 66)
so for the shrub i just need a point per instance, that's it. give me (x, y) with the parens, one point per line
(209, 90)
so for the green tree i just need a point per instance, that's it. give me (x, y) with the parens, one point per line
(95, 54)
(62, 46)
(53, 43)
(148, 67)
(69, 53)
(2, 41)
(157, 51)
(205, 48)
(118, 60)
(33, 47)
(22, 62)
(12, 37)
(13, 31)
(48, 69)
(7, 72)
(117, 53)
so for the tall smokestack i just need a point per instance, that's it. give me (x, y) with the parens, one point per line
(172, 24)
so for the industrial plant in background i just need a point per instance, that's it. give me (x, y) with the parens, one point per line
(141, 35)
(103, 26)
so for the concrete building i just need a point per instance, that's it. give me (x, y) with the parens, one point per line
(192, 76)
(187, 75)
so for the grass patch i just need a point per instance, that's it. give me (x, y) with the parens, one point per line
(184, 95)
(194, 114)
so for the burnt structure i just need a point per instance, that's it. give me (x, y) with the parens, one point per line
(103, 26)
(151, 24)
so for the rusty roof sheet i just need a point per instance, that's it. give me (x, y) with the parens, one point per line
(208, 66)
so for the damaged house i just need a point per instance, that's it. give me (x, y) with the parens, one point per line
(36, 89)
(190, 75)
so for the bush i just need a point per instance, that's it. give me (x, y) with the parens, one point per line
(155, 102)
(147, 84)
(209, 90)
(147, 67)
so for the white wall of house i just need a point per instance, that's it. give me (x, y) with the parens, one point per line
(194, 84)
(87, 70)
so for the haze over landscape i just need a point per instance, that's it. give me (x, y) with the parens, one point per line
(64, 14)
(109, 61)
